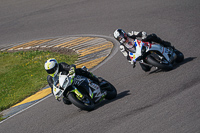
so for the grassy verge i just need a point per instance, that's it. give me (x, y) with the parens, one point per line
(1, 118)
(22, 74)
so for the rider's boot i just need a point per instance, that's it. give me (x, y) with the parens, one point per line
(166, 44)
(155, 38)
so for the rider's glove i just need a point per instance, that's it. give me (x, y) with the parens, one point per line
(122, 49)
(144, 34)
(133, 33)
(71, 71)
(84, 68)
(141, 34)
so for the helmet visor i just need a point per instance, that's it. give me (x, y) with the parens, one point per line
(121, 39)
(52, 70)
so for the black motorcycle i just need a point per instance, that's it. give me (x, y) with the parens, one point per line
(81, 91)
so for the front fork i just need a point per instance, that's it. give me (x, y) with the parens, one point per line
(98, 97)
(77, 92)
(173, 57)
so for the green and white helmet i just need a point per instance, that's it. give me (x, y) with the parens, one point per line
(51, 66)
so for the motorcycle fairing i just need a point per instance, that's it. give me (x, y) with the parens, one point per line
(57, 92)
(78, 80)
(91, 88)
(138, 46)
(149, 47)
(95, 92)
(63, 82)
(164, 51)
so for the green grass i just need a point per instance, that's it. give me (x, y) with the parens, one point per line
(1, 118)
(22, 74)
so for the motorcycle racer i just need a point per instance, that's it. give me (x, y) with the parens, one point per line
(127, 44)
(53, 68)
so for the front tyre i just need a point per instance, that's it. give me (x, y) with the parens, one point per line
(109, 88)
(84, 104)
(111, 92)
(180, 56)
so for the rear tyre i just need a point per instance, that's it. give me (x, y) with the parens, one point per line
(85, 104)
(158, 63)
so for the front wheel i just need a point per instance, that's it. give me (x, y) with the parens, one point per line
(85, 104)
(111, 92)
(109, 88)
(180, 56)
(160, 63)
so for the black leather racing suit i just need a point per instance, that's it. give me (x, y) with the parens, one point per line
(149, 38)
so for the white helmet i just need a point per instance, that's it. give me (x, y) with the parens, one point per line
(51, 66)
(120, 35)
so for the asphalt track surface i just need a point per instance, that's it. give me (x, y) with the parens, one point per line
(152, 102)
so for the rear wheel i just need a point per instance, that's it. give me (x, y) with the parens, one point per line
(84, 104)
(159, 62)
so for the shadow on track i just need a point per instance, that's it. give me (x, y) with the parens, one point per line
(119, 96)
(176, 65)
(186, 60)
